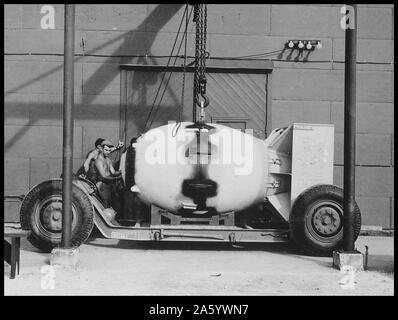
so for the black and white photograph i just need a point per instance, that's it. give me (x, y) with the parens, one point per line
(198, 150)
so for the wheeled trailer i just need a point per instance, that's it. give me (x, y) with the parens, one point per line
(299, 191)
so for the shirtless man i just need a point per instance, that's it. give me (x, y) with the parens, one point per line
(106, 174)
(87, 170)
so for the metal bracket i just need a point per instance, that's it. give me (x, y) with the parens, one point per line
(157, 236)
(276, 161)
(274, 184)
(14, 197)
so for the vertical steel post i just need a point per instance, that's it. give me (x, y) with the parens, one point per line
(67, 151)
(349, 131)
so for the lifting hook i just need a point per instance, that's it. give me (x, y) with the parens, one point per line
(204, 103)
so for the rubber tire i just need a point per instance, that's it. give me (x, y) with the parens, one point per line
(301, 235)
(80, 201)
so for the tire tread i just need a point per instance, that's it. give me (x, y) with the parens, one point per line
(297, 223)
(36, 193)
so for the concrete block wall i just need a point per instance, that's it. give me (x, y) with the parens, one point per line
(304, 88)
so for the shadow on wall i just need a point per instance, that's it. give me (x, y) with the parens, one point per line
(20, 132)
(104, 113)
(161, 14)
(303, 54)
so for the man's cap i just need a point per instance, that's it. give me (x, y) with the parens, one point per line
(98, 142)
(107, 143)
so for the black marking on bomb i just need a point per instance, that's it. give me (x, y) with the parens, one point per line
(199, 188)
(130, 167)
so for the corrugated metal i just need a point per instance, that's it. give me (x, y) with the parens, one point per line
(236, 99)
(239, 95)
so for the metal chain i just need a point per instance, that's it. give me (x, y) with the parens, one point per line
(201, 44)
(200, 79)
(195, 12)
(197, 51)
(204, 35)
(201, 50)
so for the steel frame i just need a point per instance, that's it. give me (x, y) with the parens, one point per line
(157, 232)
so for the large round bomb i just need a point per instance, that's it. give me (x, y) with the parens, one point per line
(181, 166)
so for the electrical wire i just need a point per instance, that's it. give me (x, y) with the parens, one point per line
(170, 74)
(254, 56)
(178, 124)
(165, 87)
(164, 75)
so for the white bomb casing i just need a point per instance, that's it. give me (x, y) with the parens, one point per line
(221, 169)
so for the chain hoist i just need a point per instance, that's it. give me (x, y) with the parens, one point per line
(200, 98)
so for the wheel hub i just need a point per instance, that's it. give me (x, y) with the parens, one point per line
(52, 216)
(327, 221)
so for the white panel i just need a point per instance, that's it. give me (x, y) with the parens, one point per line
(312, 156)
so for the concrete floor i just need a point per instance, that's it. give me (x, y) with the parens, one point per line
(113, 267)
